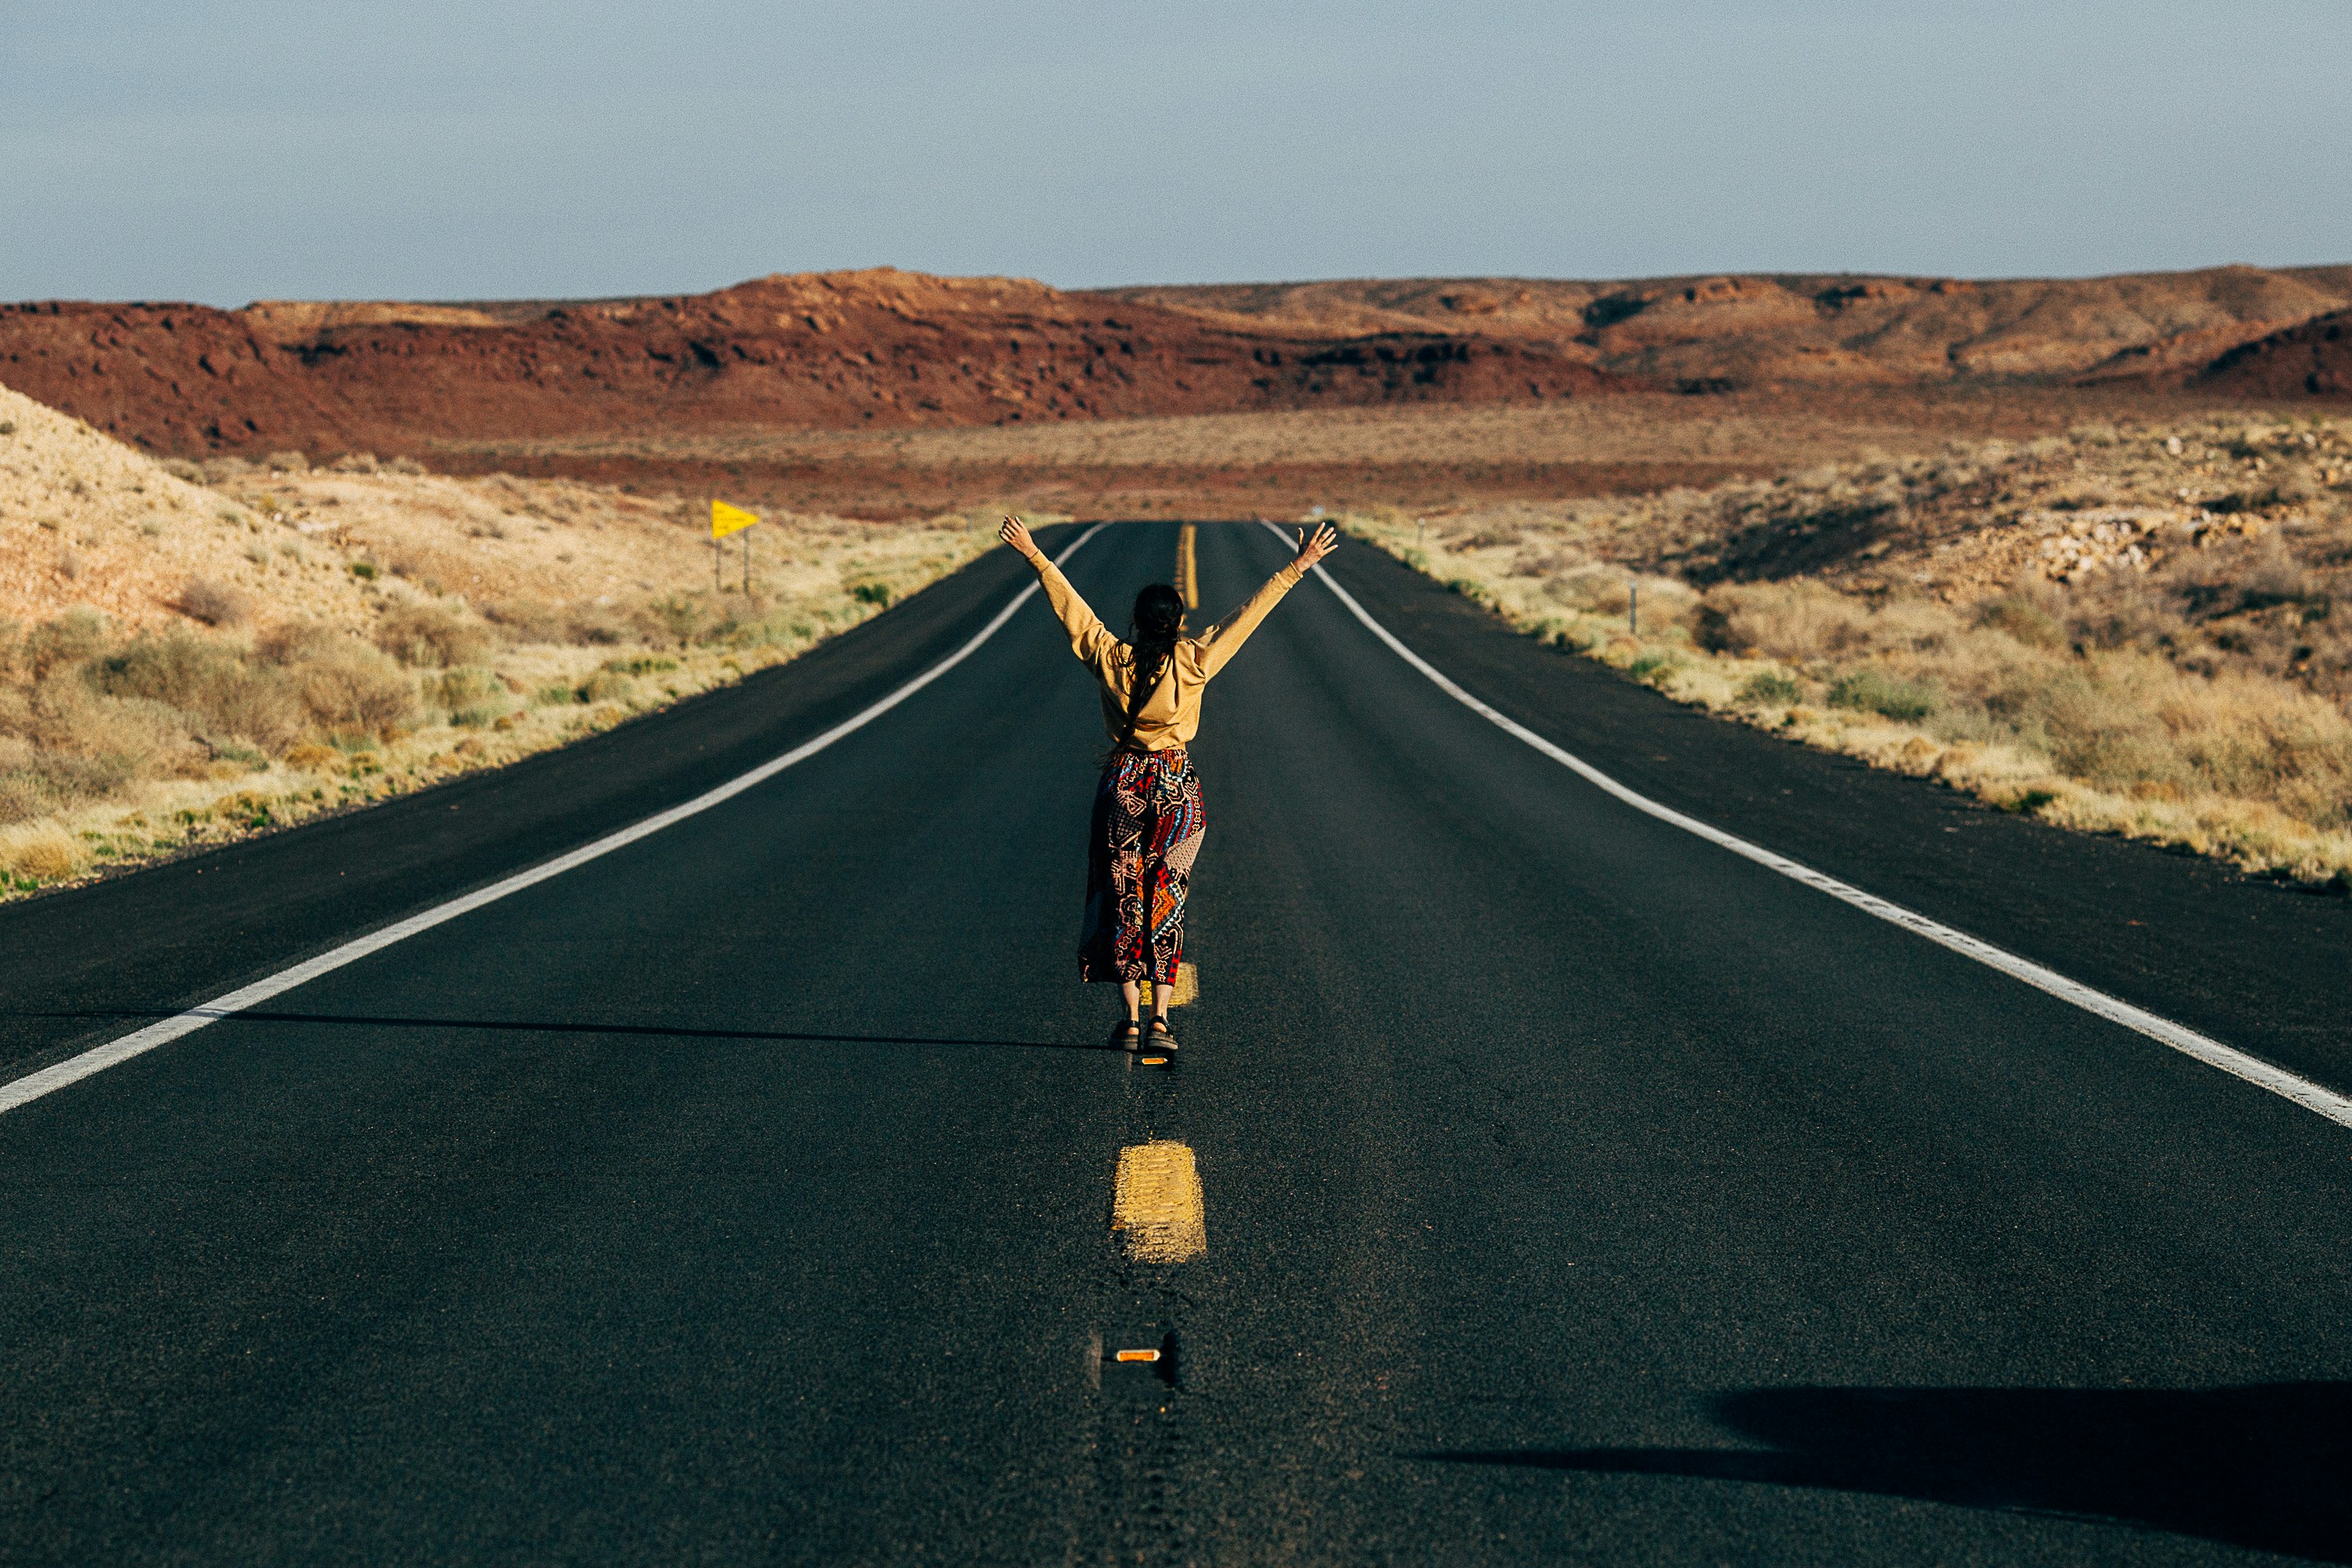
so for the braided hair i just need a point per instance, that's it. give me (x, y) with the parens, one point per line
(1159, 617)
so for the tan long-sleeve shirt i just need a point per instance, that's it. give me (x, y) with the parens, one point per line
(1172, 714)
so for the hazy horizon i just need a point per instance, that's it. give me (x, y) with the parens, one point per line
(231, 151)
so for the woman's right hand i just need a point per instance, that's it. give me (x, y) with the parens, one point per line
(1015, 532)
(1310, 551)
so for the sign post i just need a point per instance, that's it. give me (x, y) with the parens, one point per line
(726, 520)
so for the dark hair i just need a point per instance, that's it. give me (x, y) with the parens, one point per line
(1158, 616)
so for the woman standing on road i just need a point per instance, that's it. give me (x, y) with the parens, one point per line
(1147, 818)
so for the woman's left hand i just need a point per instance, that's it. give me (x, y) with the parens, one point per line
(1310, 551)
(1016, 533)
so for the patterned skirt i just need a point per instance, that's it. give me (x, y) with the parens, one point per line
(1148, 823)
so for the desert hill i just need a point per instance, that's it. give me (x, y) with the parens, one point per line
(2312, 359)
(884, 349)
(182, 660)
(1706, 333)
(832, 350)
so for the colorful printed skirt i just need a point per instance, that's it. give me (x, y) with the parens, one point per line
(1148, 823)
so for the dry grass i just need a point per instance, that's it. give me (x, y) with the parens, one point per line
(1602, 429)
(2131, 631)
(242, 646)
(1280, 463)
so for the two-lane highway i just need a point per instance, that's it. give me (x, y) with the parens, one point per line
(1574, 1190)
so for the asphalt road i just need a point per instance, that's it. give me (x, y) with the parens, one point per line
(1575, 1191)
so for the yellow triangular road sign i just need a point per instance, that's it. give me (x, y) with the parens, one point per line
(726, 520)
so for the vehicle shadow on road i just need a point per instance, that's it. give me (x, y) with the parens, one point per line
(652, 1031)
(2262, 1465)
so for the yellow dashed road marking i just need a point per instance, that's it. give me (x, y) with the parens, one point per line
(1187, 987)
(1188, 581)
(1155, 1200)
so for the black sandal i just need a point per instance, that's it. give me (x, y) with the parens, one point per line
(1161, 1036)
(1125, 1035)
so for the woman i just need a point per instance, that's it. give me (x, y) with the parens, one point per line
(1148, 820)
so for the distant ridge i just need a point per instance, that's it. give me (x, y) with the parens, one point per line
(1749, 330)
(846, 350)
(883, 347)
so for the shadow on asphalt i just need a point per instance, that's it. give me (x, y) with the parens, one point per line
(658, 1031)
(2262, 1465)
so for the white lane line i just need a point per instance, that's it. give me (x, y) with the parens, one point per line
(139, 1042)
(2312, 1097)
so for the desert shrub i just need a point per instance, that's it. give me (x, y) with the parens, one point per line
(351, 689)
(643, 665)
(1652, 668)
(431, 634)
(35, 782)
(211, 679)
(1600, 592)
(90, 744)
(674, 616)
(596, 626)
(1793, 621)
(2121, 610)
(877, 594)
(355, 463)
(2022, 619)
(2272, 576)
(215, 604)
(529, 620)
(473, 697)
(40, 852)
(403, 465)
(2242, 734)
(70, 638)
(605, 685)
(291, 642)
(1878, 691)
(364, 570)
(1768, 689)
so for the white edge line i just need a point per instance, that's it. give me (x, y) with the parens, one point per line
(139, 1042)
(2312, 1097)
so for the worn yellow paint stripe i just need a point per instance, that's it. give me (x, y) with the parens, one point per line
(1188, 582)
(1156, 1201)
(1187, 987)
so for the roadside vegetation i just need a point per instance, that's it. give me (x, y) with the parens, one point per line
(190, 653)
(2145, 631)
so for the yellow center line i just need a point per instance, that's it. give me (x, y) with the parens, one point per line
(1187, 578)
(1155, 1200)
(1186, 989)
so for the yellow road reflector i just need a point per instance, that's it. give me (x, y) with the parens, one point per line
(726, 520)
(1138, 1355)
(1188, 582)
(1155, 1200)
(1187, 987)
(1155, 1061)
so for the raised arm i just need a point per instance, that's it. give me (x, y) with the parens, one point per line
(1225, 638)
(1089, 638)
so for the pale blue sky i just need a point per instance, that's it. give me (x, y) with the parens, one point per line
(230, 150)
